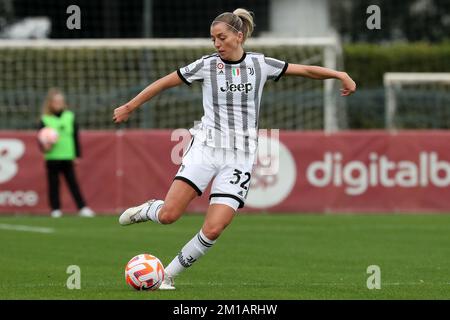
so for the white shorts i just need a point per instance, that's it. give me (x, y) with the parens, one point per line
(231, 170)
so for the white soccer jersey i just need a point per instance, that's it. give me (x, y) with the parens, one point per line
(231, 97)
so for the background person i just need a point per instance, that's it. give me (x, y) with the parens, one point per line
(61, 155)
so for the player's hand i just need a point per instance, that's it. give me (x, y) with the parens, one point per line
(348, 85)
(47, 146)
(122, 113)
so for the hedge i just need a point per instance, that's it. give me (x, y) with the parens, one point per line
(367, 63)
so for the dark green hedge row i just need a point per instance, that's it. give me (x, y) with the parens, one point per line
(367, 63)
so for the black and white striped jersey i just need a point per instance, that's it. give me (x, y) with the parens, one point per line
(232, 93)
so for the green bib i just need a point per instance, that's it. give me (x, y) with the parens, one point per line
(64, 148)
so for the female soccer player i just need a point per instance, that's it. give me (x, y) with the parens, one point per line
(223, 145)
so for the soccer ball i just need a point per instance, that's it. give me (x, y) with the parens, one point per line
(48, 135)
(144, 272)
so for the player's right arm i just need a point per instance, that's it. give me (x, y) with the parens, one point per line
(123, 112)
(44, 147)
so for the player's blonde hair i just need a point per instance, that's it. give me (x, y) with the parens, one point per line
(46, 106)
(240, 20)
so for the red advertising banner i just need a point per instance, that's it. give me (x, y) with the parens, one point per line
(369, 172)
(355, 171)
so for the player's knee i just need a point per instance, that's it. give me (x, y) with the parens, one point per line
(213, 232)
(167, 218)
(168, 214)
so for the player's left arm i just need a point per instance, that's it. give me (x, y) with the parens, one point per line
(321, 73)
(76, 138)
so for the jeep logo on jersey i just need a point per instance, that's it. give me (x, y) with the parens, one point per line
(241, 87)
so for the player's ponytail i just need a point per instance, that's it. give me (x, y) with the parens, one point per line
(240, 20)
(247, 22)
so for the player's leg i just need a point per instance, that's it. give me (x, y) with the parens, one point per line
(218, 217)
(168, 211)
(228, 192)
(53, 188)
(225, 199)
(190, 181)
(69, 173)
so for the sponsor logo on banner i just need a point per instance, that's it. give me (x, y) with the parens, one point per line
(274, 173)
(379, 171)
(11, 150)
(18, 198)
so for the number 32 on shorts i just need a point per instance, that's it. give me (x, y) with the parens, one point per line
(241, 176)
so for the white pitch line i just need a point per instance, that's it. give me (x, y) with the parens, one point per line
(16, 227)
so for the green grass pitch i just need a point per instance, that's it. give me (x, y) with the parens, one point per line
(258, 257)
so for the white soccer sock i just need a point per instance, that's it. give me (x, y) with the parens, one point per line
(190, 253)
(152, 211)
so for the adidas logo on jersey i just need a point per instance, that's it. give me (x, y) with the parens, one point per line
(242, 87)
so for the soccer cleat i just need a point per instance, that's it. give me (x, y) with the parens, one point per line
(135, 214)
(168, 283)
(86, 212)
(56, 213)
